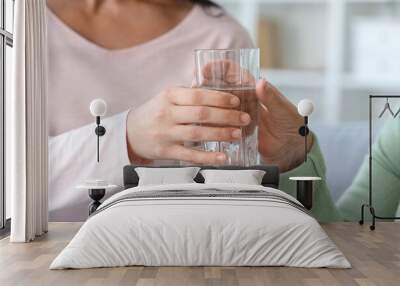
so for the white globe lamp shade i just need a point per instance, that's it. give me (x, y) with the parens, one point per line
(98, 107)
(305, 107)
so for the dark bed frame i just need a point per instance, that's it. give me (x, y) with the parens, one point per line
(270, 179)
(131, 179)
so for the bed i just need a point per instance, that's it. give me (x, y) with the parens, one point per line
(199, 224)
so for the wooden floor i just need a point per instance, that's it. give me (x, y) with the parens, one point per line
(375, 257)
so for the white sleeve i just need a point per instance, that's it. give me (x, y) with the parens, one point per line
(73, 159)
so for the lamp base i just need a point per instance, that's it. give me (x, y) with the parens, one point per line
(96, 195)
(304, 190)
(304, 193)
(304, 130)
(100, 130)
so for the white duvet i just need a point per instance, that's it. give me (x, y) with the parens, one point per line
(200, 231)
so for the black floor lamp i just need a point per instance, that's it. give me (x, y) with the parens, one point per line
(370, 202)
(98, 108)
(304, 185)
(97, 188)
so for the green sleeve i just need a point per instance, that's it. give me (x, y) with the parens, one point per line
(385, 178)
(324, 209)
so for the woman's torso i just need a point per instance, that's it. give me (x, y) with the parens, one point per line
(80, 71)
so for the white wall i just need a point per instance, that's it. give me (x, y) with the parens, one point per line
(316, 52)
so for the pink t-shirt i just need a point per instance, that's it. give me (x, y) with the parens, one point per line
(80, 71)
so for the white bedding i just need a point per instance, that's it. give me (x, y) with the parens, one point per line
(183, 231)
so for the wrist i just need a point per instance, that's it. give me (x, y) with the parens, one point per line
(298, 156)
(291, 154)
(134, 158)
(310, 141)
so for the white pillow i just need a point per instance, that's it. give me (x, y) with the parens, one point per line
(248, 177)
(164, 176)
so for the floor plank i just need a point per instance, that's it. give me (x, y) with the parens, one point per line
(375, 257)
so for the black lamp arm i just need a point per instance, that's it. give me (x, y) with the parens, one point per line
(304, 131)
(99, 131)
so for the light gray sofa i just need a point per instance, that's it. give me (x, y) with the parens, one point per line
(344, 148)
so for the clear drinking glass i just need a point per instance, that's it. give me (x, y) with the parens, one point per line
(235, 71)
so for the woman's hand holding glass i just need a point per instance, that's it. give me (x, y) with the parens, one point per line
(158, 129)
(279, 142)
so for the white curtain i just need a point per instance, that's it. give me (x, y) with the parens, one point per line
(26, 124)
